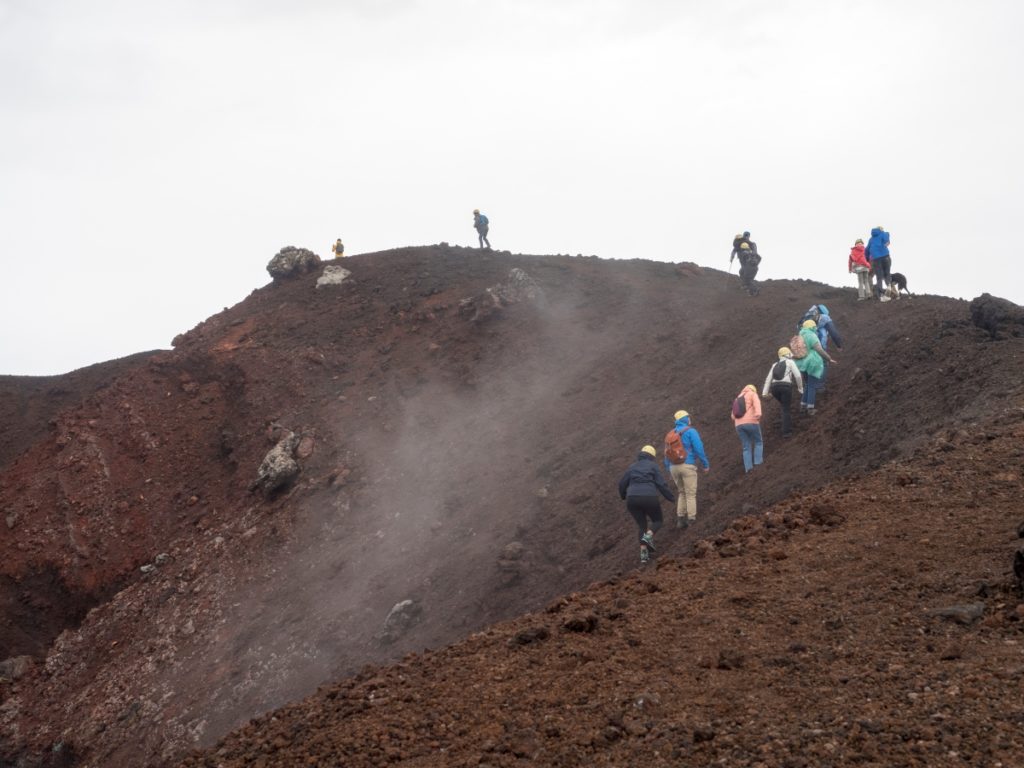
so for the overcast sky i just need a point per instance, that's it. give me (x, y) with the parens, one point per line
(156, 155)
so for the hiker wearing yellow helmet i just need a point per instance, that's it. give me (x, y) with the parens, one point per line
(811, 364)
(481, 224)
(783, 377)
(746, 249)
(683, 449)
(639, 488)
(746, 417)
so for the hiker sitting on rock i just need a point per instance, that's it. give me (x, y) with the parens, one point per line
(639, 488)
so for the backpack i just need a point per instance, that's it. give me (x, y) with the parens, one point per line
(739, 406)
(675, 451)
(483, 222)
(779, 371)
(798, 346)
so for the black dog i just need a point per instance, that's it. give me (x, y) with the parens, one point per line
(899, 282)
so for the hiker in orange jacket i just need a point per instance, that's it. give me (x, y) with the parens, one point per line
(860, 265)
(746, 416)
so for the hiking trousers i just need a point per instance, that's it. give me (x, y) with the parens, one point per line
(482, 236)
(643, 508)
(811, 385)
(753, 446)
(882, 267)
(685, 477)
(783, 392)
(863, 282)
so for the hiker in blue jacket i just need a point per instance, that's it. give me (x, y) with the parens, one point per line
(826, 330)
(639, 488)
(683, 448)
(877, 252)
(481, 224)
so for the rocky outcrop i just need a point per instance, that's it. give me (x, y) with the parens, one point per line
(999, 317)
(291, 261)
(279, 467)
(518, 287)
(332, 275)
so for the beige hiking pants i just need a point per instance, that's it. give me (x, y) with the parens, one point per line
(685, 476)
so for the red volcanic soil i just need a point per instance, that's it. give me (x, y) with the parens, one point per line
(462, 452)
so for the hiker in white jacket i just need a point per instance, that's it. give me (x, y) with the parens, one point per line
(782, 378)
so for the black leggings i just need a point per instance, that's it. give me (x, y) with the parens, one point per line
(643, 507)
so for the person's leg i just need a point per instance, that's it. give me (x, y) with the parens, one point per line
(758, 443)
(887, 269)
(690, 490)
(747, 447)
(803, 399)
(784, 395)
(638, 513)
(678, 477)
(810, 390)
(879, 278)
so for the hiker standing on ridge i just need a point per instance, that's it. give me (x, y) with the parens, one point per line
(338, 249)
(810, 359)
(481, 224)
(860, 266)
(881, 263)
(782, 377)
(683, 447)
(746, 417)
(639, 488)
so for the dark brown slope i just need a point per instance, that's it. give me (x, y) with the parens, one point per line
(441, 435)
(815, 635)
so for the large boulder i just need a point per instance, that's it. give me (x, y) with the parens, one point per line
(279, 467)
(1001, 318)
(291, 261)
(332, 275)
(517, 287)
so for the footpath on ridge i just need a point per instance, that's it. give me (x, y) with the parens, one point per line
(458, 421)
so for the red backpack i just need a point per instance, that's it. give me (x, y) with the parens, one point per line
(675, 451)
(798, 347)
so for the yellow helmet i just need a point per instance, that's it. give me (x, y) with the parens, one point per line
(858, 241)
(744, 246)
(649, 449)
(809, 324)
(737, 236)
(680, 415)
(785, 352)
(476, 210)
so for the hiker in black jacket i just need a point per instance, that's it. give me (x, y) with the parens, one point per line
(639, 488)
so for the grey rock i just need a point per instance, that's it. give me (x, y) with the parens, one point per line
(15, 667)
(999, 317)
(279, 467)
(961, 614)
(148, 568)
(400, 618)
(162, 558)
(291, 261)
(332, 275)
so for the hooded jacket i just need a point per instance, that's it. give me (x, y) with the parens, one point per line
(480, 222)
(691, 441)
(643, 478)
(752, 414)
(813, 364)
(858, 258)
(878, 245)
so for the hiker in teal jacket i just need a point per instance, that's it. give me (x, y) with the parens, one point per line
(811, 365)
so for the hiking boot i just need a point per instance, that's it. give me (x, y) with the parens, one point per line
(648, 539)
(885, 298)
(811, 411)
(682, 523)
(644, 555)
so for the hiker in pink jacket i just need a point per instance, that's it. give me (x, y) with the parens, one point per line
(746, 416)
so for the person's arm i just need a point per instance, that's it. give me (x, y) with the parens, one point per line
(821, 351)
(624, 485)
(696, 447)
(755, 401)
(662, 486)
(768, 381)
(797, 377)
(833, 333)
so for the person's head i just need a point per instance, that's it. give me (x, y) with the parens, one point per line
(746, 234)
(339, 239)
(744, 247)
(809, 324)
(682, 418)
(751, 388)
(476, 211)
(649, 450)
(880, 228)
(858, 241)
(823, 309)
(785, 352)
(737, 236)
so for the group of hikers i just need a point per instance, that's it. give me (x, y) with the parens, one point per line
(800, 368)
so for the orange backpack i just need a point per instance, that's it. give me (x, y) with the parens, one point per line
(675, 451)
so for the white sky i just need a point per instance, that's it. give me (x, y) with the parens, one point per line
(154, 155)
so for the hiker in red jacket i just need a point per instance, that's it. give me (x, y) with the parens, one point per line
(860, 265)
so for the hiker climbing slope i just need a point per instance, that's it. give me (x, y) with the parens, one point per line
(746, 250)
(783, 377)
(683, 449)
(746, 417)
(640, 487)
(810, 359)
(481, 224)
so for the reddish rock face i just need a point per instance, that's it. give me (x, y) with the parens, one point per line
(427, 434)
